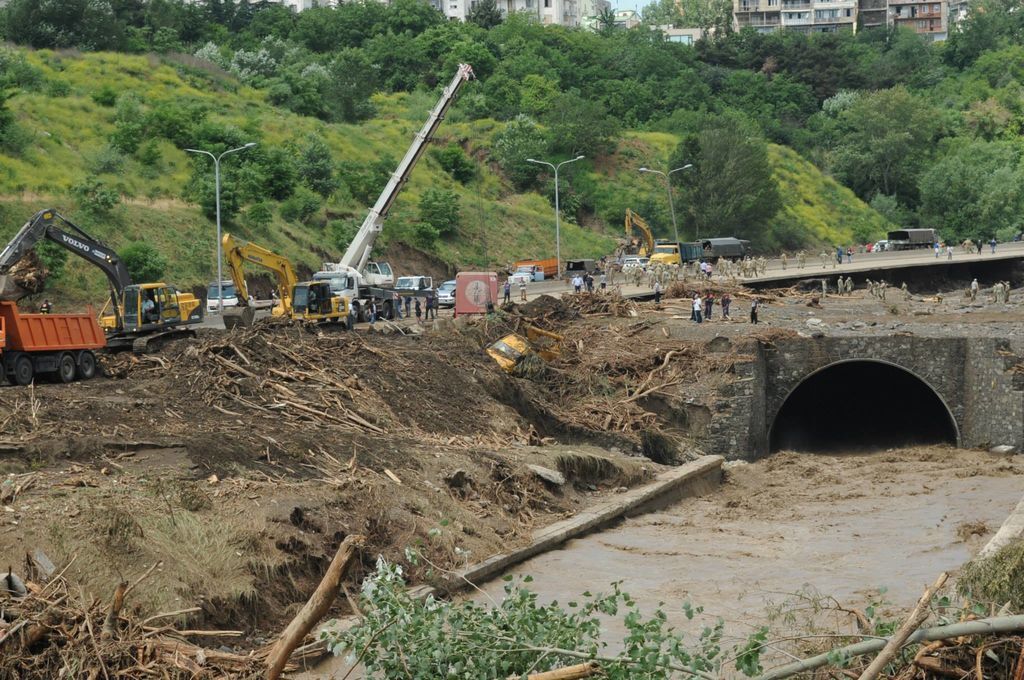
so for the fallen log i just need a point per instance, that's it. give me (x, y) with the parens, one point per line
(996, 624)
(583, 670)
(913, 622)
(314, 609)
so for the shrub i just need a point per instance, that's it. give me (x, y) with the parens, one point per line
(144, 262)
(149, 154)
(105, 96)
(424, 235)
(259, 215)
(58, 88)
(94, 196)
(521, 139)
(316, 167)
(342, 232)
(440, 209)
(301, 206)
(107, 160)
(456, 163)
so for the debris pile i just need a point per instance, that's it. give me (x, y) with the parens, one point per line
(56, 631)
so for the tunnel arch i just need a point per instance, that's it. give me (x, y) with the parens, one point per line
(861, 404)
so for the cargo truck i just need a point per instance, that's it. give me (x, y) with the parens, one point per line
(906, 239)
(61, 346)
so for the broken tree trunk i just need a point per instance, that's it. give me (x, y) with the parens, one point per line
(913, 622)
(314, 610)
(583, 670)
(110, 623)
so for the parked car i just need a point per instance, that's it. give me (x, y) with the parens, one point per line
(526, 273)
(633, 261)
(230, 296)
(446, 294)
(881, 246)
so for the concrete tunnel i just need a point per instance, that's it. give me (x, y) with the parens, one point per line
(861, 404)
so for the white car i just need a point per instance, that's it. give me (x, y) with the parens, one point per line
(634, 261)
(880, 246)
(522, 274)
(446, 294)
(230, 296)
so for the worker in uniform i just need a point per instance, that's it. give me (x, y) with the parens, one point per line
(906, 291)
(824, 259)
(824, 289)
(841, 285)
(849, 285)
(974, 290)
(801, 259)
(997, 292)
(46, 307)
(784, 260)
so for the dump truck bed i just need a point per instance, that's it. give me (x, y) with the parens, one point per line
(48, 332)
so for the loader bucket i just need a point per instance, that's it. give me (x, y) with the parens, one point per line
(239, 316)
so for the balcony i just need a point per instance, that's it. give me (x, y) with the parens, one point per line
(760, 23)
(796, 6)
(805, 21)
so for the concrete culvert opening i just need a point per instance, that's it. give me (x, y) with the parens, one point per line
(861, 405)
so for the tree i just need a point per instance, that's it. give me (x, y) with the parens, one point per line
(730, 191)
(662, 13)
(521, 139)
(456, 163)
(144, 262)
(580, 126)
(485, 14)
(440, 209)
(606, 22)
(316, 167)
(353, 80)
(885, 139)
(87, 24)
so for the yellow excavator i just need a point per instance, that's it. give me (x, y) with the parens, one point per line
(644, 244)
(306, 301)
(513, 351)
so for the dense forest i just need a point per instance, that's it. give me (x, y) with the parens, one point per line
(926, 133)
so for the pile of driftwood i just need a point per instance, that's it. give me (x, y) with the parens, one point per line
(26, 277)
(602, 303)
(50, 629)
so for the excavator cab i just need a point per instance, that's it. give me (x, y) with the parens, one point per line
(314, 301)
(150, 306)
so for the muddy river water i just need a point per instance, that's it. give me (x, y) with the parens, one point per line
(842, 525)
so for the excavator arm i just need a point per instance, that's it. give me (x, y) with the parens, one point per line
(358, 253)
(43, 225)
(238, 252)
(635, 221)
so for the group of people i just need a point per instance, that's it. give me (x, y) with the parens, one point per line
(1000, 292)
(585, 281)
(703, 307)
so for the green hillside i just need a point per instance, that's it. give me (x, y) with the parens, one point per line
(77, 105)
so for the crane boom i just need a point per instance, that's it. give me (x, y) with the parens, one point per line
(358, 253)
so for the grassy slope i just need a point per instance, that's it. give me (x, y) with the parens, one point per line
(817, 204)
(498, 225)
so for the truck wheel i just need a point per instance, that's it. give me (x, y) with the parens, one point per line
(66, 368)
(86, 365)
(23, 370)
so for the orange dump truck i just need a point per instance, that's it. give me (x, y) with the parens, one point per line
(59, 345)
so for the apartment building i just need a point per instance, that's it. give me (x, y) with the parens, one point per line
(822, 16)
(562, 12)
(929, 18)
(925, 18)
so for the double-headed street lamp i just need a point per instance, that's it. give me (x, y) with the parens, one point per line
(558, 224)
(668, 185)
(216, 175)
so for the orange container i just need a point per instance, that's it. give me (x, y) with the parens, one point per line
(475, 292)
(48, 332)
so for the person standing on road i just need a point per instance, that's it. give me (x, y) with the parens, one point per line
(657, 293)
(507, 290)
(709, 305)
(753, 311)
(430, 313)
(726, 301)
(992, 243)
(849, 255)
(419, 311)
(697, 304)
(522, 290)
(408, 307)
(577, 283)
(949, 252)
(783, 259)
(604, 281)
(974, 290)
(937, 248)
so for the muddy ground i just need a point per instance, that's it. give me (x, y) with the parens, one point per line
(239, 460)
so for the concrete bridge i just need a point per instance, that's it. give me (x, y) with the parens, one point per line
(844, 392)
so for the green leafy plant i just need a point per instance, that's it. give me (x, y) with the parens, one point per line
(144, 262)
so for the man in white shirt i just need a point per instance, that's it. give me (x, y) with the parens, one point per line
(698, 308)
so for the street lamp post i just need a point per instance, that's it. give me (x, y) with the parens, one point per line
(558, 223)
(216, 176)
(668, 185)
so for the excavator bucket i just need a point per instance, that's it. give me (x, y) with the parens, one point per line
(9, 290)
(26, 277)
(242, 315)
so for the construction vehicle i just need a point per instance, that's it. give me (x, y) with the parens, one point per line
(61, 345)
(729, 248)
(514, 353)
(139, 314)
(355, 269)
(306, 301)
(642, 245)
